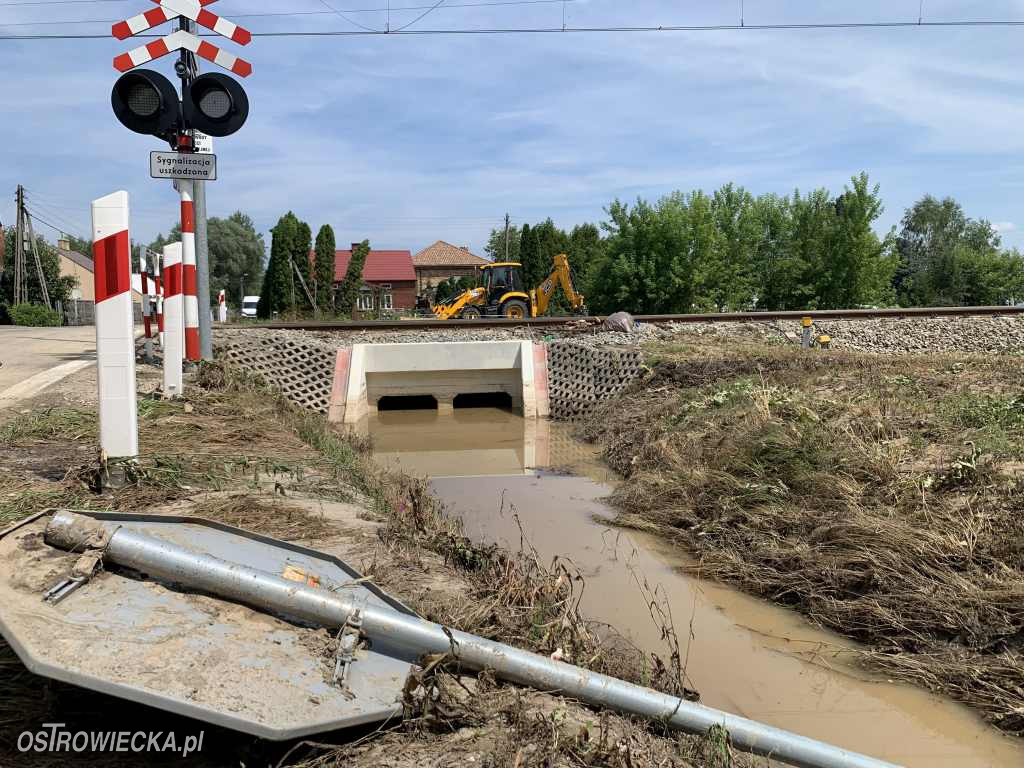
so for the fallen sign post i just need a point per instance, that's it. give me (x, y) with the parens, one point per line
(408, 637)
(181, 165)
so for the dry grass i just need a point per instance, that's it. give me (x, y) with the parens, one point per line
(879, 497)
(453, 722)
(235, 438)
(269, 516)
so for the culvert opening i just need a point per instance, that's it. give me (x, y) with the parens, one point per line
(407, 403)
(501, 400)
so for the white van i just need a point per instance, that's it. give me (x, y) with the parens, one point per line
(249, 306)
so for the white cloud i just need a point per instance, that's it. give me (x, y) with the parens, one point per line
(407, 139)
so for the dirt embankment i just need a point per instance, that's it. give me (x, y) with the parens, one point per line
(881, 497)
(234, 452)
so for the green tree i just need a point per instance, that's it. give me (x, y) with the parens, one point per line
(78, 245)
(236, 249)
(237, 253)
(702, 254)
(324, 268)
(495, 248)
(348, 291)
(59, 287)
(551, 241)
(529, 252)
(444, 291)
(586, 249)
(859, 266)
(932, 237)
(648, 266)
(772, 263)
(276, 293)
(987, 276)
(726, 278)
(302, 257)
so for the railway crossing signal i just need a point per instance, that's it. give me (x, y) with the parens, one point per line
(213, 104)
(182, 39)
(146, 102)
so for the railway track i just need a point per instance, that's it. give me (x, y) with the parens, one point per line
(595, 320)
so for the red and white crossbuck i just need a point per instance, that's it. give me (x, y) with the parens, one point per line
(176, 41)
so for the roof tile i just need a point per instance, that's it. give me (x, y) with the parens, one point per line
(381, 266)
(442, 254)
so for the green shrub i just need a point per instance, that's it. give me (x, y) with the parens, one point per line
(33, 315)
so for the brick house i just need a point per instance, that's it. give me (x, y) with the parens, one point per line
(390, 280)
(442, 261)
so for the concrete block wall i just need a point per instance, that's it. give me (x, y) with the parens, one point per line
(564, 379)
(581, 376)
(302, 370)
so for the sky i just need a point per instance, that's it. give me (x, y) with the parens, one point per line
(404, 140)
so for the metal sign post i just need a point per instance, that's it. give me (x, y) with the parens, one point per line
(188, 263)
(188, 125)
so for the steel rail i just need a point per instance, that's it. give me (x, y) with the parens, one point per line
(420, 324)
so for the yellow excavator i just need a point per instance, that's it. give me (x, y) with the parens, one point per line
(502, 293)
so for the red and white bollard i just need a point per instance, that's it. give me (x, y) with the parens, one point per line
(222, 306)
(159, 307)
(115, 327)
(147, 305)
(188, 261)
(174, 320)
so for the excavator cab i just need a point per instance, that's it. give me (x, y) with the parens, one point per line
(505, 294)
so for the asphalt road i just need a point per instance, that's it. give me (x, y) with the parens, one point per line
(37, 357)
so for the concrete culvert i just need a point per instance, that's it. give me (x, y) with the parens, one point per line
(407, 403)
(502, 400)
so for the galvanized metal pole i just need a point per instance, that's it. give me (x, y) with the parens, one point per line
(203, 273)
(410, 637)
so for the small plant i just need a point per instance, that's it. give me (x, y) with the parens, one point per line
(976, 411)
(33, 316)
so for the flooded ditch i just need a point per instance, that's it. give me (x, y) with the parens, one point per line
(509, 479)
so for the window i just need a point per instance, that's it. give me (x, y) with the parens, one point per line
(385, 301)
(365, 301)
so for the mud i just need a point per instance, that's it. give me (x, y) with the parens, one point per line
(743, 654)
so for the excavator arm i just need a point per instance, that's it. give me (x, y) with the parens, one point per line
(453, 307)
(561, 274)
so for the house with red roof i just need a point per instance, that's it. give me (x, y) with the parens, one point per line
(389, 278)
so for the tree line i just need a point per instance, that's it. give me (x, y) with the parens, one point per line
(237, 252)
(732, 251)
(59, 287)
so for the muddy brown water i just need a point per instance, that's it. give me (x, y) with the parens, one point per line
(743, 654)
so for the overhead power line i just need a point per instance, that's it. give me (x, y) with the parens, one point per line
(272, 14)
(584, 30)
(354, 23)
(421, 16)
(61, 230)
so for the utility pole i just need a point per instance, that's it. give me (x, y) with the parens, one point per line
(203, 273)
(44, 291)
(19, 246)
(507, 220)
(188, 72)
